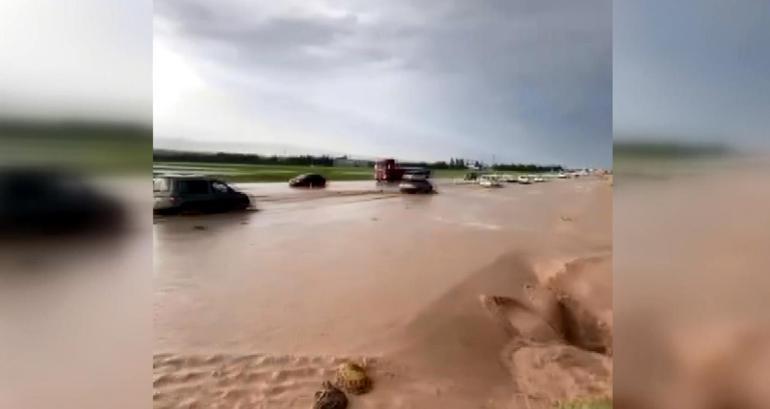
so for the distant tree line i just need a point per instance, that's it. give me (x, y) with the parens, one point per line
(519, 167)
(75, 130)
(455, 163)
(670, 149)
(244, 158)
(310, 160)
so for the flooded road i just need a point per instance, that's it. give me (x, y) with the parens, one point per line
(328, 275)
(74, 329)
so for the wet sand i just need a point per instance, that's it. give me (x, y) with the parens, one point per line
(256, 308)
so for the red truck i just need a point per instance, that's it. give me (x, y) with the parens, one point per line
(387, 170)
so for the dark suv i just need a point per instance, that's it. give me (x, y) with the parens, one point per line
(42, 201)
(175, 194)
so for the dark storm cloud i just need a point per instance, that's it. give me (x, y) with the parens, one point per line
(522, 80)
(294, 43)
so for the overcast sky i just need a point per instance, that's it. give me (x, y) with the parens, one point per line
(521, 80)
(513, 80)
(85, 59)
(693, 70)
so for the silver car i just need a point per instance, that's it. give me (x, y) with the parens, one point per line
(416, 185)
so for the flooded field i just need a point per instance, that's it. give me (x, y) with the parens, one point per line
(309, 277)
(691, 284)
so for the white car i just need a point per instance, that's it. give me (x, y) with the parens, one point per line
(562, 175)
(538, 179)
(524, 180)
(487, 181)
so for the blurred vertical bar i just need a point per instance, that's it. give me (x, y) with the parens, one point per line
(75, 238)
(691, 204)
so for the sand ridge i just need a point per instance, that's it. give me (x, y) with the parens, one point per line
(559, 355)
(259, 381)
(241, 381)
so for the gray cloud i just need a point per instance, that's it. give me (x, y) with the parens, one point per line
(521, 80)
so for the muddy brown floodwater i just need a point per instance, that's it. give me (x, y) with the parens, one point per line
(691, 268)
(255, 309)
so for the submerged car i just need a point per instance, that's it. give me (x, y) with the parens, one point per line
(415, 186)
(310, 180)
(524, 180)
(179, 194)
(37, 201)
(538, 179)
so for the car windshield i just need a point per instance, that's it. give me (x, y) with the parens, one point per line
(219, 187)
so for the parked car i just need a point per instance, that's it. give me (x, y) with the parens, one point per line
(489, 181)
(415, 186)
(524, 180)
(538, 179)
(175, 194)
(311, 180)
(37, 201)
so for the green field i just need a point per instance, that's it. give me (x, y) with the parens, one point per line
(278, 173)
(90, 147)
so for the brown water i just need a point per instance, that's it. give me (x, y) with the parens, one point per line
(74, 329)
(312, 277)
(691, 287)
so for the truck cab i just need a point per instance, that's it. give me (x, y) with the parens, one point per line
(387, 170)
